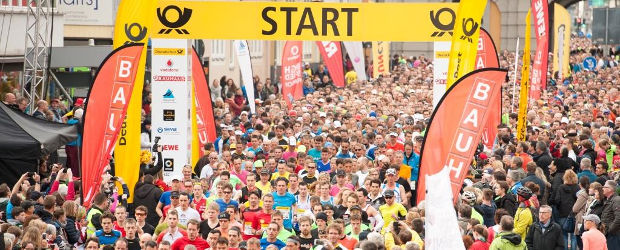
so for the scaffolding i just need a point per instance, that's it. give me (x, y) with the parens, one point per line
(36, 55)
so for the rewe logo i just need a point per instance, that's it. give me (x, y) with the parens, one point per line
(469, 28)
(170, 147)
(183, 15)
(137, 38)
(443, 27)
(169, 94)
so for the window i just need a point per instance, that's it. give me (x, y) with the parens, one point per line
(307, 47)
(256, 48)
(218, 50)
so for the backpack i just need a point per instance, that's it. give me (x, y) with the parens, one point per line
(534, 212)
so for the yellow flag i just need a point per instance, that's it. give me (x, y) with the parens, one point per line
(380, 58)
(195, 144)
(465, 39)
(561, 47)
(133, 21)
(525, 82)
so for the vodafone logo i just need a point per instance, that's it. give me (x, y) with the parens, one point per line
(294, 50)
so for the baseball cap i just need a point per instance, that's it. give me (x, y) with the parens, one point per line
(225, 216)
(340, 173)
(244, 112)
(175, 180)
(264, 171)
(258, 164)
(564, 120)
(394, 134)
(322, 114)
(35, 195)
(390, 171)
(233, 146)
(79, 102)
(321, 216)
(174, 194)
(292, 113)
(593, 218)
(389, 193)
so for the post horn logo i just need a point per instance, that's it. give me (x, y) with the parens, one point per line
(468, 32)
(443, 28)
(182, 20)
(141, 32)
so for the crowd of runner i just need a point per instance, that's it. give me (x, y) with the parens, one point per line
(339, 171)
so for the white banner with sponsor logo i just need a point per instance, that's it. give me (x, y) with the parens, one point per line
(170, 86)
(87, 12)
(245, 65)
(441, 61)
(356, 54)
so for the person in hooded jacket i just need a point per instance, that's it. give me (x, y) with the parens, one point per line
(505, 199)
(506, 239)
(147, 194)
(564, 199)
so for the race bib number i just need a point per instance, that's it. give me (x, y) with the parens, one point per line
(248, 228)
(285, 212)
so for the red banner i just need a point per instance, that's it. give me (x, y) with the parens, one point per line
(487, 58)
(539, 69)
(451, 140)
(292, 83)
(332, 56)
(204, 110)
(105, 110)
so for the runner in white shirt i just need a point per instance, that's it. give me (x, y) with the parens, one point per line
(173, 232)
(186, 213)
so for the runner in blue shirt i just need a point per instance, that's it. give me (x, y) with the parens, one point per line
(284, 202)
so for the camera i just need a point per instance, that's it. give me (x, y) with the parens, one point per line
(114, 178)
(156, 143)
(30, 174)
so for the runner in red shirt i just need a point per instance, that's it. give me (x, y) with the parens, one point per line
(191, 238)
(250, 217)
(199, 202)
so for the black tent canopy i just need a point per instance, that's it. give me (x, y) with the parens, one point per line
(25, 139)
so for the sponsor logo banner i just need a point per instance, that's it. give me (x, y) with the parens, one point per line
(440, 69)
(561, 46)
(539, 68)
(487, 58)
(355, 50)
(525, 82)
(170, 108)
(133, 24)
(380, 59)
(292, 88)
(451, 140)
(204, 124)
(331, 52)
(465, 39)
(304, 21)
(245, 66)
(106, 108)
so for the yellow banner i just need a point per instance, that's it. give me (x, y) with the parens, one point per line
(132, 26)
(380, 59)
(525, 81)
(465, 40)
(304, 21)
(195, 144)
(561, 40)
